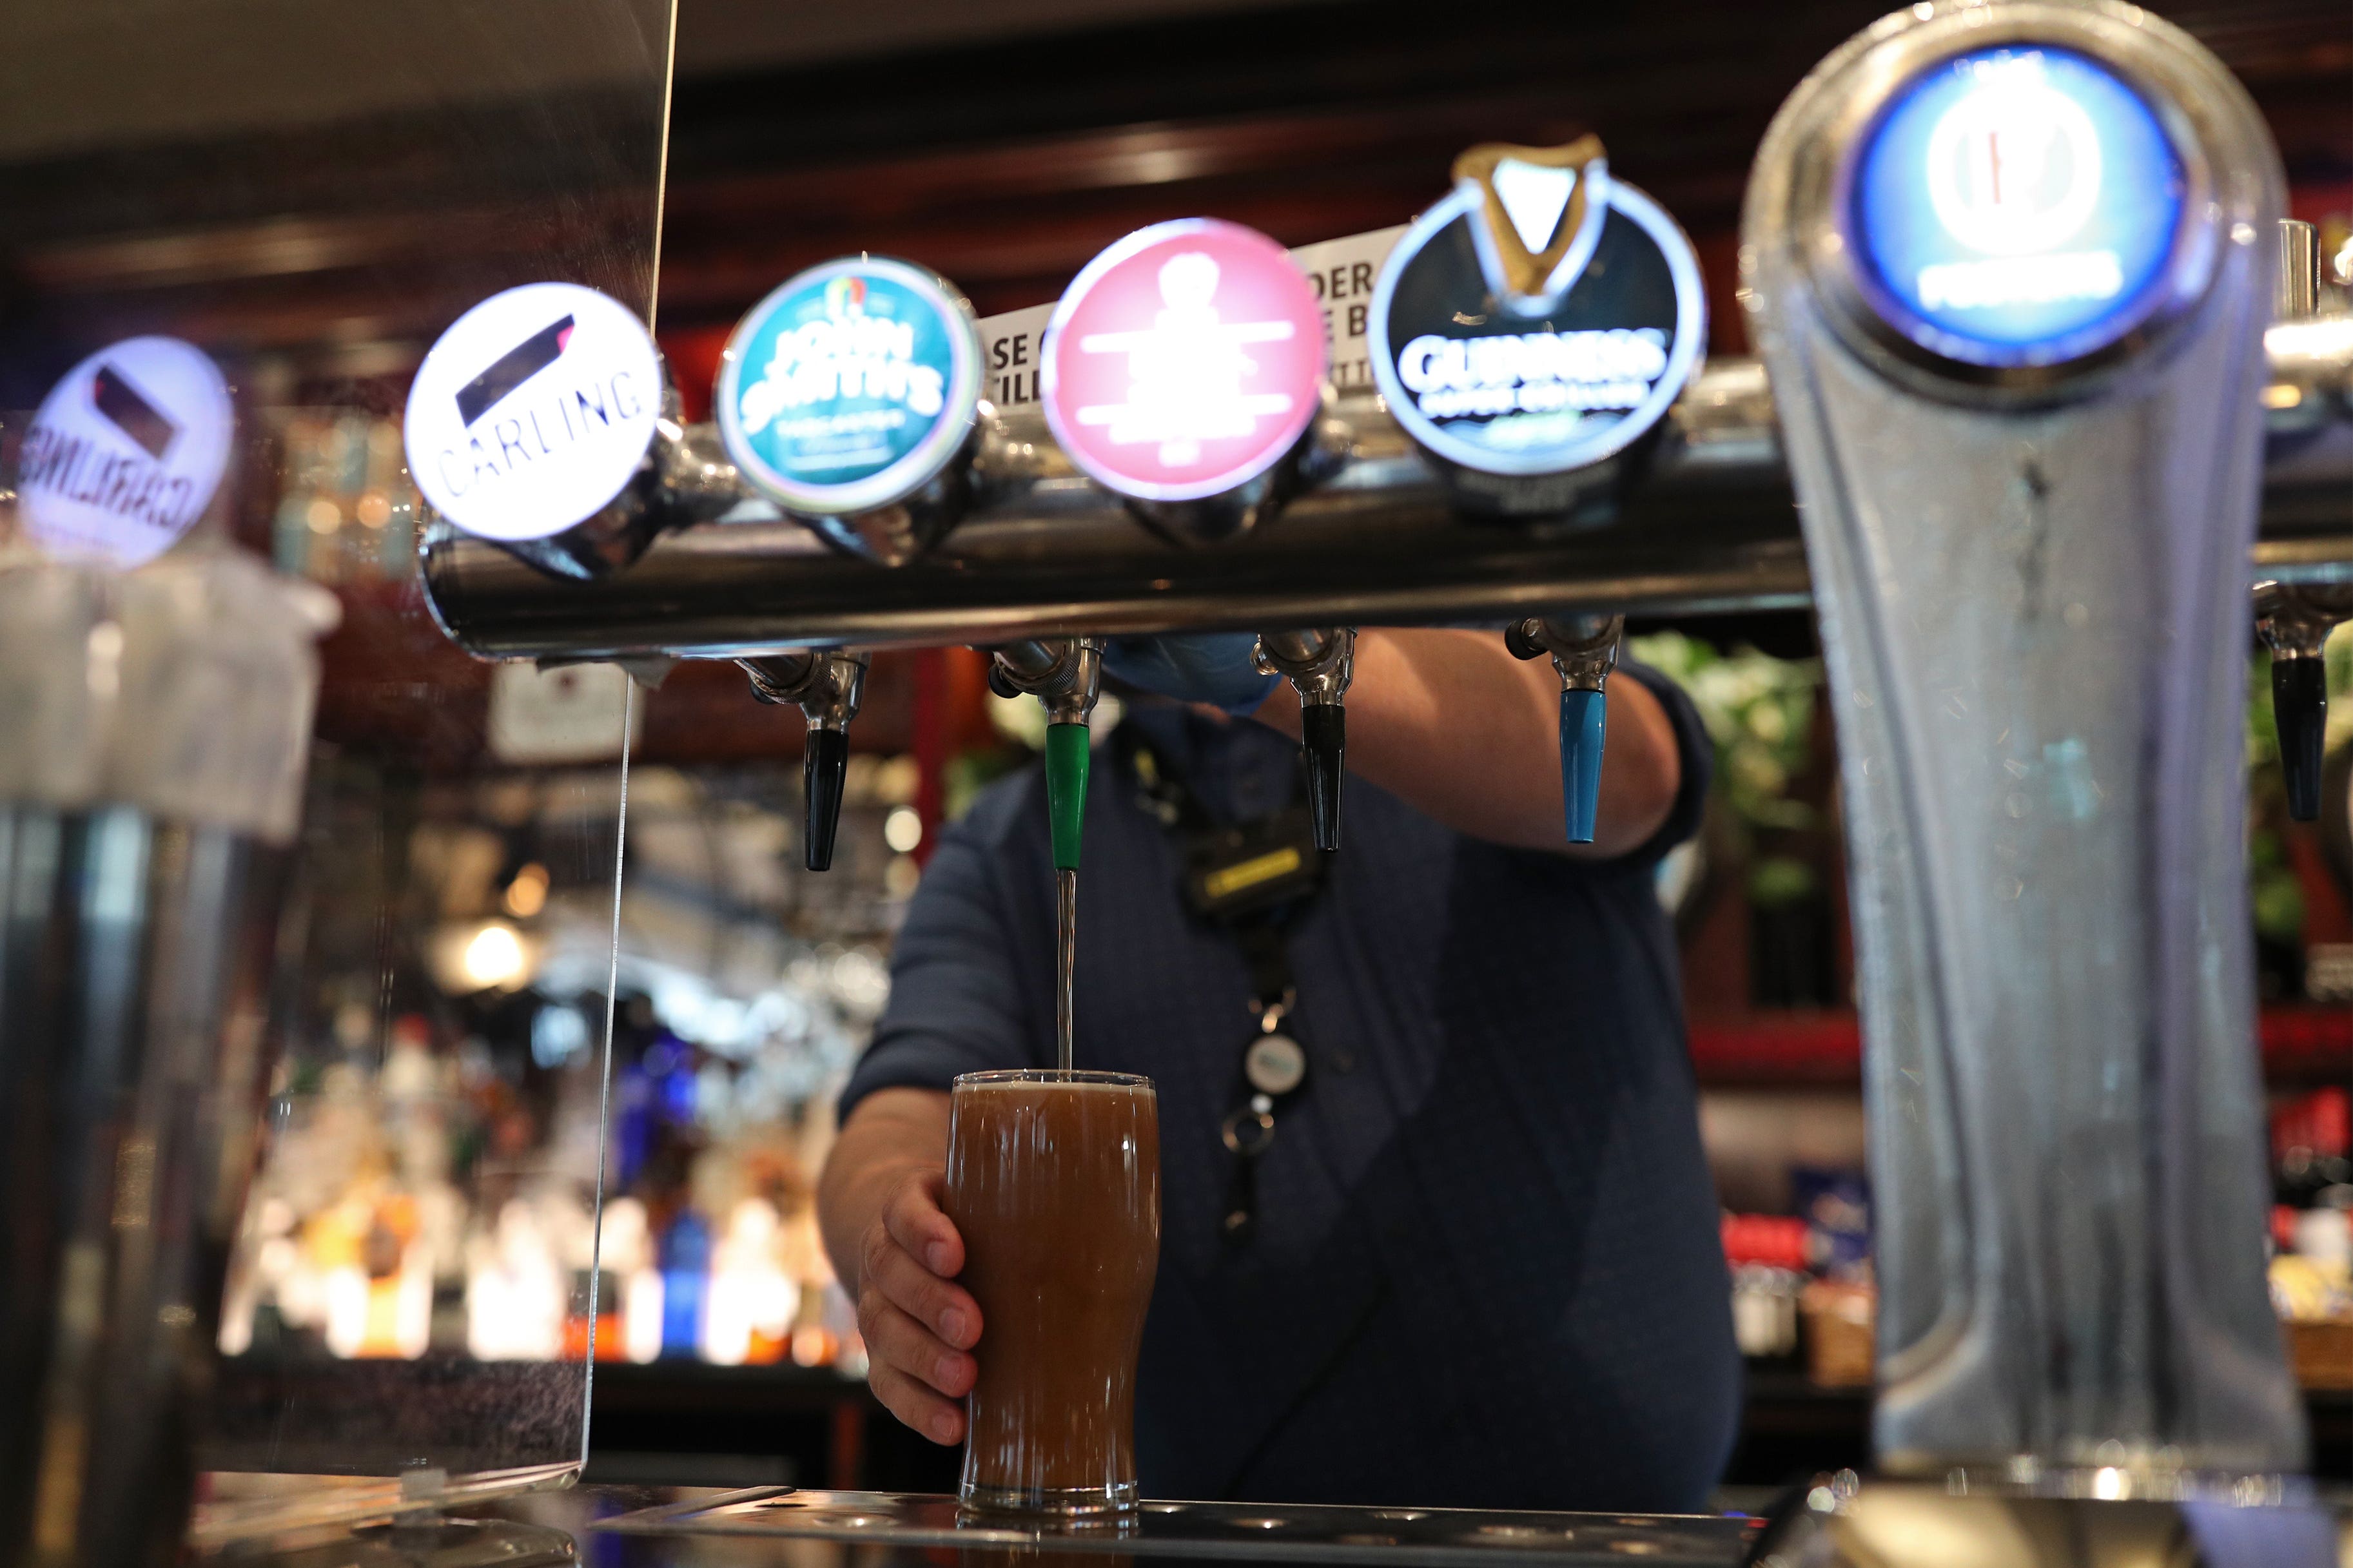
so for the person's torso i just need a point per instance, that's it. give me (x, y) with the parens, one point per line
(1483, 1268)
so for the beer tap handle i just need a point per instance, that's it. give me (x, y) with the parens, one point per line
(1319, 664)
(1066, 675)
(2294, 623)
(1583, 651)
(827, 686)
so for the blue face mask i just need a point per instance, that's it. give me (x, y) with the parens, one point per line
(1214, 667)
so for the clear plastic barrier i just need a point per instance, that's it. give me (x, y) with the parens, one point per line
(288, 884)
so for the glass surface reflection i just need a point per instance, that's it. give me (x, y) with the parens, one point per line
(376, 970)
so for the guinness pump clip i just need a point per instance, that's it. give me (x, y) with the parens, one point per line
(1528, 333)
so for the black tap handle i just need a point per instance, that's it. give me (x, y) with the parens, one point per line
(825, 764)
(1323, 736)
(1000, 682)
(2300, 713)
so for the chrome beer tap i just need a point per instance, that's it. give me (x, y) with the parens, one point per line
(1583, 651)
(2294, 622)
(1319, 664)
(826, 684)
(1066, 675)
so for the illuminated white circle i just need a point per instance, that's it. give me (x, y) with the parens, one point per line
(1989, 166)
(519, 427)
(126, 452)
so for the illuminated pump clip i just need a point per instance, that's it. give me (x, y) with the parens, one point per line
(126, 452)
(1184, 370)
(543, 421)
(1529, 333)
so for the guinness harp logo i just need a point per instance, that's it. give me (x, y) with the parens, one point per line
(1540, 214)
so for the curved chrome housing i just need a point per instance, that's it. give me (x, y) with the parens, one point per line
(2036, 634)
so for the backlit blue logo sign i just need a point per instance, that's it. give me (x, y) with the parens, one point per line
(2016, 207)
(851, 387)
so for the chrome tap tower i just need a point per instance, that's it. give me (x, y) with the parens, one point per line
(2011, 267)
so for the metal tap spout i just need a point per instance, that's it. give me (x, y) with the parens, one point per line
(1583, 651)
(1319, 663)
(826, 685)
(2294, 623)
(1066, 675)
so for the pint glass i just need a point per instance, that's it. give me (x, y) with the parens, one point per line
(1054, 1182)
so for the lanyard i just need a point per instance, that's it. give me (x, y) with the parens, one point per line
(1253, 882)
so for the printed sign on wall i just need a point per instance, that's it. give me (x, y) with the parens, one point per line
(126, 452)
(532, 411)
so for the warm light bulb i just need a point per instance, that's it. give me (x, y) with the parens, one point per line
(903, 829)
(495, 957)
(527, 894)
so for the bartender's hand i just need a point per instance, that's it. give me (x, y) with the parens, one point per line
(1214, 667)
(879, 1204)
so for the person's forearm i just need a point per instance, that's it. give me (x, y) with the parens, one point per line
(891, 1132)
(1455, 726)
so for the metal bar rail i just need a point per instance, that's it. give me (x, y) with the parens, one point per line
(1703, 523)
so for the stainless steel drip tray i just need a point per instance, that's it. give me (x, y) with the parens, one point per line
(1256, 1532)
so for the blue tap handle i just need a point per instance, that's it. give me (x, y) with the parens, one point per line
(1583, 718)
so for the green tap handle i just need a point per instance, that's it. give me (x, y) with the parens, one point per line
(1066, 789)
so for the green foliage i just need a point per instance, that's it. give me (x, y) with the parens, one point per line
(2272, 888)
(1760, 712)
(1776, 881)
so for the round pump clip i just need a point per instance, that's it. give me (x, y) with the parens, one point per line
(1534, 324)
(850, 397)
(532, 424)
(1184, 368)
(126, 452)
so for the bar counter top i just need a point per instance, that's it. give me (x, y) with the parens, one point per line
(682, 1527)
